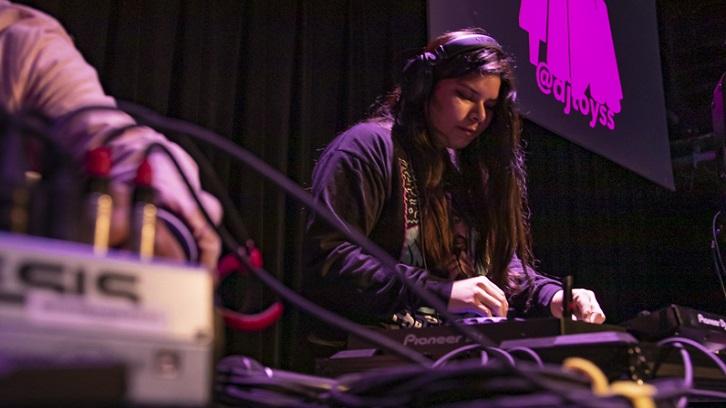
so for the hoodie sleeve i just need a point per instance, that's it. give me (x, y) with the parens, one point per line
(533, 292)
(352, 180)
(42, 72)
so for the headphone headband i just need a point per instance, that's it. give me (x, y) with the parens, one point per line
(418, 74)
(464, 44)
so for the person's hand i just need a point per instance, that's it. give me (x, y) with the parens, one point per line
(477, 295)
(585, 306)
(166, 244)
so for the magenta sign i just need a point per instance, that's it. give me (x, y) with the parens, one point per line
(587, 70)
(580, 69)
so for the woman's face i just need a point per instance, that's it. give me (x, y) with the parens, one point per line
(461, 108)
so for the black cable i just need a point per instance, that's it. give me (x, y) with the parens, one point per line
(687, 366)
(716, 253)
(290, 187)
(533, 401)
(242, 369)
(508, 359)
(528, 351)
(669, 390)
(675, 342)
(268, 383)
(363, 389)
(441, 361)
(286, 293)
(687, 373)
(61, 121)
(720, 364)
(118, 132)
(695, 392)
(229, 241)
(241, 379)
(348, 399)
(413, 386)
(716, 267)
(265, 398)
(214, 184)
(212, 139)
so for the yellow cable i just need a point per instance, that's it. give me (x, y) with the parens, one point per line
(640, 395)
(597, 378)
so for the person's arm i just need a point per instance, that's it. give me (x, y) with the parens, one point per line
(540, 296)
(354, 188)
(44, 73)
(530, 297)
(534, 291)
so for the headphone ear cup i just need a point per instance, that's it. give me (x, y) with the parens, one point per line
(418, 77)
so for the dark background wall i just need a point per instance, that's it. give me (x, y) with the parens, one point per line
(282, 78)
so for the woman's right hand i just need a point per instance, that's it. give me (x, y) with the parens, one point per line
(478, 295)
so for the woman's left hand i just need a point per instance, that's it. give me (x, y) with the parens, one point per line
(584, 306)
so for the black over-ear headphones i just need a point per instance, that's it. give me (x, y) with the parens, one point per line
(418, 73)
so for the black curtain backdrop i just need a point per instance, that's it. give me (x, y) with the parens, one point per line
(282, 78)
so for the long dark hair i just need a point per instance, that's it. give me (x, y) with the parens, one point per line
(491, 168)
